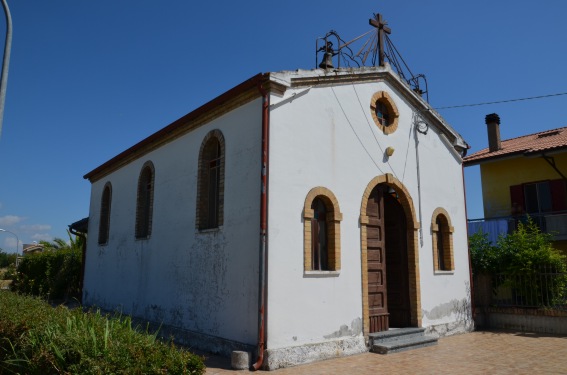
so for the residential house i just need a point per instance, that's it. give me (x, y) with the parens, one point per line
(33, 248)
(523, 176)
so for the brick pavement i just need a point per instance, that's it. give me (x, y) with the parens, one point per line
(471, 353)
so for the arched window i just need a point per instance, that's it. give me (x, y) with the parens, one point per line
(319, 233)
(210, 194)
(145, 201)
(104, 223)
(322, 236)
(442, 233)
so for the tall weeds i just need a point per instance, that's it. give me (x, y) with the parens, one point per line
(39, 339)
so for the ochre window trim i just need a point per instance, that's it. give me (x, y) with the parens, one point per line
(145, 202)
(384, 98)
(333, 219)
(204, 220)
(105, 208)
(442, 262)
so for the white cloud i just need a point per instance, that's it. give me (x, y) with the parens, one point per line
(42, 237)
(36, 228)
(9, 220)
(9, 244)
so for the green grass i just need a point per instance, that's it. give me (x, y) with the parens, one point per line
(36, 338)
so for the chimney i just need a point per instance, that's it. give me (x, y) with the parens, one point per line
(493, 124)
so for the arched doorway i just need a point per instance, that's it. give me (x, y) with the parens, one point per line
(390, 272)
(395, 235)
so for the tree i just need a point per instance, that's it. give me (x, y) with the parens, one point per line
(75, 243)
(7, 259)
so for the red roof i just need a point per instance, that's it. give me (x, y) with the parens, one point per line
(549, 140)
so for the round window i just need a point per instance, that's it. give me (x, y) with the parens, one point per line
(384, 112)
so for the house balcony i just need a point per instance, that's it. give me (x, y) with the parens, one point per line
(554, 223)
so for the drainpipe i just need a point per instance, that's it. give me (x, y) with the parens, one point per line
(473, 307)
(416, 130)
(263, 228)
(84, 253)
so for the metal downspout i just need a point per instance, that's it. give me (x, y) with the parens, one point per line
(83, 260)
(473, 307)
(418, 185)
(263, 228)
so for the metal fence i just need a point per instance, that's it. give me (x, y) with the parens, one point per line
(544, 287)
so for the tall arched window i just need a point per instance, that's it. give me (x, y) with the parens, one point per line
(104, 223)
(145, 201)
(322, 236)
(210, 194)
(319, 233)
(442, 233)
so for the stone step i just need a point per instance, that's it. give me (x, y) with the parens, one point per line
(400, 345)
(396, 334)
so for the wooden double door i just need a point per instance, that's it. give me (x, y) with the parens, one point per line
(387, 262)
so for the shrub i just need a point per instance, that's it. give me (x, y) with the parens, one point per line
(484, 256)
(39, 339)
(7, 259)
(526, 261)
(50, 274)
(536, 272)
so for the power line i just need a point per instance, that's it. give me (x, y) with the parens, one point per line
(503, 101)
(372, 129)
(354, 131)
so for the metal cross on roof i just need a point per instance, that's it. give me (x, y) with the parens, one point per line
(378, 44)
(380, 24)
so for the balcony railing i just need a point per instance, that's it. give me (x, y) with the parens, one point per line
(554, 223)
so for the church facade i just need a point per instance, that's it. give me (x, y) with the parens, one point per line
(291, 216)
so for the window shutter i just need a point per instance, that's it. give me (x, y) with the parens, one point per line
(558, 195)
(517, 199)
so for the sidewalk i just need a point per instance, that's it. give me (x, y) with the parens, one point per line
(471, 353)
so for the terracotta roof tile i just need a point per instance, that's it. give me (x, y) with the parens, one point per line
(543, 141)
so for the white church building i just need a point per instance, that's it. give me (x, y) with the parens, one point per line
(291, 217)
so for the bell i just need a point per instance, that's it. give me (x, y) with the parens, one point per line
(327, 62)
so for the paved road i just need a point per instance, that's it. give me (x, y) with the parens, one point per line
(471, 353)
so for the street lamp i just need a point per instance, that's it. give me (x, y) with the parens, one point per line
(17, 239)
(6, 61)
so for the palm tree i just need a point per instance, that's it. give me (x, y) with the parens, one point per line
(74, 243)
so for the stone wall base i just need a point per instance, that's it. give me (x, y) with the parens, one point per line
(297, 355)
(523, 320)
(449, 329)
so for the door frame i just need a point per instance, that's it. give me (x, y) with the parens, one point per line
(412, 248)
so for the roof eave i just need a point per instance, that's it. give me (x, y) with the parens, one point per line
(131, 153)
(511, 155)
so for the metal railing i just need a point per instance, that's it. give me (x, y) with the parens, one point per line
(544, 287)
(554, 223)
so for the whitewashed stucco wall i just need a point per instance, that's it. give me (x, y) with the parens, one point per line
(208, 282)
(313, 144)
(204, 282)
(445, 295)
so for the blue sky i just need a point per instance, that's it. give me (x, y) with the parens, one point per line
(89, 79)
